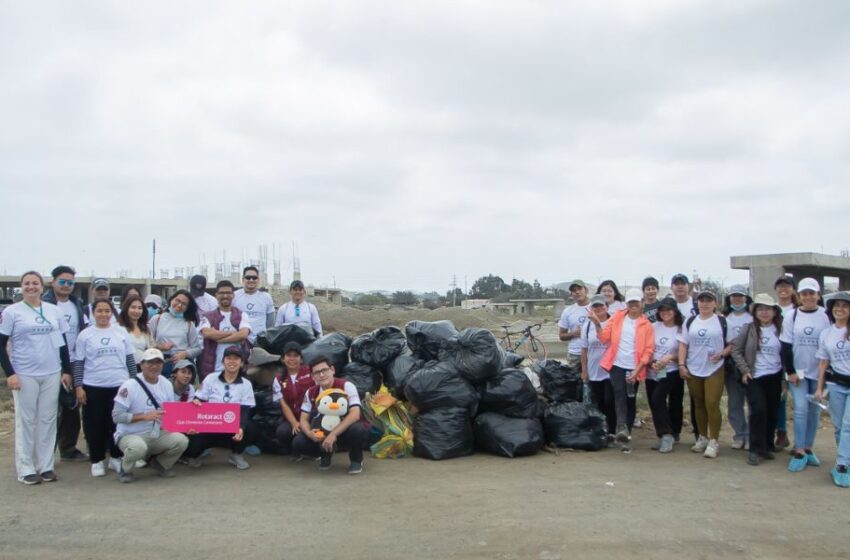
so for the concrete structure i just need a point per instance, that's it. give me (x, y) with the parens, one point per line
(528, 306)
(765, 269)
(504, 308)
(474, 303)
(163, 288)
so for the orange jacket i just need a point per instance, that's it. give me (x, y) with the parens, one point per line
(644, 342)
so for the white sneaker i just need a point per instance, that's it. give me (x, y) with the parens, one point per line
(739, 444)
(238, 461)
(140, 464)
(115, 464)
(700, 445)
(711, 449)
(98, 469)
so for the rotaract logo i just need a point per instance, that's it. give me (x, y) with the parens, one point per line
(229, 417)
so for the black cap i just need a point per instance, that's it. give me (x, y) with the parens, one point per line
(198, 280)
(296, 284)
(679, 278)
(292, 346)
(784, 279)
(233, 351)
(669, 303)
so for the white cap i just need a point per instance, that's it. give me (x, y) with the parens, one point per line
(808, 284)
(152, 354)
(634, 295)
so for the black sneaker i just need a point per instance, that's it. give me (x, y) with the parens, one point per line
(125, 477)
(767, 455)
(355, 468)
(73, 455)
(160, 470)
(49, 476)
(325, 462)
(31, 479)
(753, 458)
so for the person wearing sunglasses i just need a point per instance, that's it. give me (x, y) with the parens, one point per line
(350, 433)
(174, 331)
(76, 315)
(228, 386)
(299, 312)
(256, 304)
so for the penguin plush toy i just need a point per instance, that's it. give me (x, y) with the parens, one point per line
(331, 408)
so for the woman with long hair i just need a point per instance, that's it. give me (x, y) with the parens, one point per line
(663, 372)
(134, 319)
(39, 363)
(788, 300)
(103, 360)
(613, 297)
(757, 352)
(174, 331)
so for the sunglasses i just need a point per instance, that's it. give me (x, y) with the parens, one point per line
(251, 277)
(297, 310)
(63, 282)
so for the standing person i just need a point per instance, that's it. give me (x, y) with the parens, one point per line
(649, 286)
(104, 360)
(173, 331)
(253, 302)
(631, 341)
(137, 413)
(222, 328)
(663, 374)
(134, 319)
(571, 321)
(680, 287)
(299, 312)
(289, 389)
(153, 305)
(612, 294)
(100, 289)
(39, 363)
(204, 301)
(834, 370)
(738, 317)
(350, 432)
(786, 296)
(801, 330)
(758, 357)
(229, 385)
(76, 315)
(592, 373)
(128, 291)
(702, 349)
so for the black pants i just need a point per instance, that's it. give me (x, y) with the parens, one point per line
(98, 426)
(658, 393)
(68, 431)
(603, 398)
(284, 436)
(199, 443)
(631, 406)
(763, 394)
(621, 405)
(354, 439)
(674, 403)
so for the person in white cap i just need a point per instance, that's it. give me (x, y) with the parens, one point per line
(592, 351)
(738, 317)
(757, 352)
(137, 413)
(153, 304)
(801, 328)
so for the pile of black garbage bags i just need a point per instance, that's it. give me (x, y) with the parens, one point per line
(465, 391)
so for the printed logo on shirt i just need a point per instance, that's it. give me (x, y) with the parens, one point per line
(229, 417)
(40, 320)
(124, 392)
(150, 402)
(581, 320)
(68, 318)
(808, 331)
(840, 344)
(105, 340)
(250, 306)
(702, 332)
(663, 340)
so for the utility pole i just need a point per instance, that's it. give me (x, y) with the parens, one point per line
(153, 264)
(454, 290)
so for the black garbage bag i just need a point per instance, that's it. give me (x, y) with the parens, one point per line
(509, 437)
(439, 385)
(560, 382)
(366, 378)
(475, 353)
(379, 347)
(512, 360)
(398, 371)
(425, 339)
(512, 394)
(575, 425)
(274, 339)
(266, 417)
(333, 346)
(443, 433)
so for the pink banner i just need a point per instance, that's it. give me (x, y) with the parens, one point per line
(217, 418)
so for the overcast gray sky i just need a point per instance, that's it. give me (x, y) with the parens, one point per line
(402, 143)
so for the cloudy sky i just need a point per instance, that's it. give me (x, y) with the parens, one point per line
(401, 144)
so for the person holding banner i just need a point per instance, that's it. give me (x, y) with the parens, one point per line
(228, 386)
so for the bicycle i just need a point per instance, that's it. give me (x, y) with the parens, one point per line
(533, 347)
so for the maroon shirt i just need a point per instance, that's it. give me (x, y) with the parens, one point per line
(293, 393)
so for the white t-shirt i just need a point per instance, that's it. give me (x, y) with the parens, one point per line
(256, 307)
(104, 353)
(686, 308)
(625, 357)
(205, 303)
(572, 317)
(215, 389)
(704, 339)
(36, 336)
(768, 357)
(72, 317)
(139, 343)
(350, 392)
(224, 326)
(735, 325)
(802, 331)
(786, 309)
(834, 346)
(132, 396)
(666, 343)
(595, 351)
(616, 306)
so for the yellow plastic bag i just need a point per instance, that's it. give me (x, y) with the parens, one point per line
(391, 416)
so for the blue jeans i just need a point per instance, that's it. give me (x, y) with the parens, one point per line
(736, 394)
(806, 414)
(839, 409)
(782, 415)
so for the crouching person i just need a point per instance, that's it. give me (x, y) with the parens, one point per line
(330, 416)
(137, 413)
(228, 386)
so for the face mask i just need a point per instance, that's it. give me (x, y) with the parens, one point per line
(175, 314)
(153, 311)
(740, 307)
